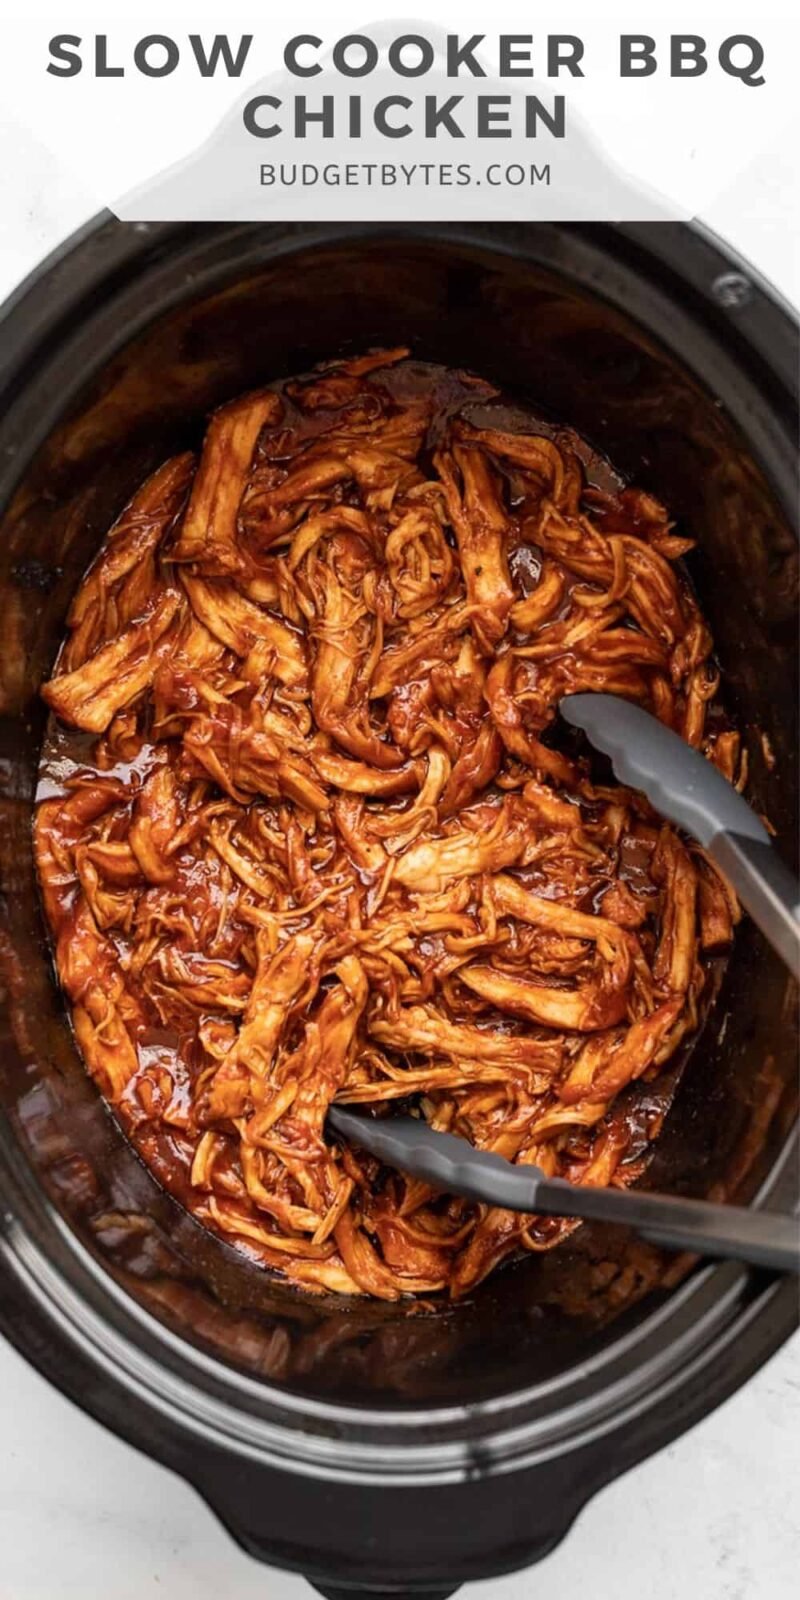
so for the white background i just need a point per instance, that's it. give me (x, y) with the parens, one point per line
(84, 1517)
(690, 140)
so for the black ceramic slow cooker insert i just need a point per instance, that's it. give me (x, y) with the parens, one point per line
(370, 1446)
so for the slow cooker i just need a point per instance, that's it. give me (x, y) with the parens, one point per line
(385, 1449)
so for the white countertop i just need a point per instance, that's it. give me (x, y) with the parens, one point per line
(85, 1517)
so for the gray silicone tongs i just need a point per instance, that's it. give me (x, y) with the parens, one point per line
(764, 1238)
(688, 789)
(685, 787)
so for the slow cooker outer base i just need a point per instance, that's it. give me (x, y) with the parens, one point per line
(334, 1592)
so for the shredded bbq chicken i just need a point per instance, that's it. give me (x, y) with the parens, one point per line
(320, 835)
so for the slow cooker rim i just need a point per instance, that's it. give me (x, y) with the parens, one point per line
(691, 254)
(708, 1300)
(343, 1442)
(782, 1313)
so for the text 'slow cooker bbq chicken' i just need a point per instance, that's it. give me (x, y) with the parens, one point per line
(318, 835)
